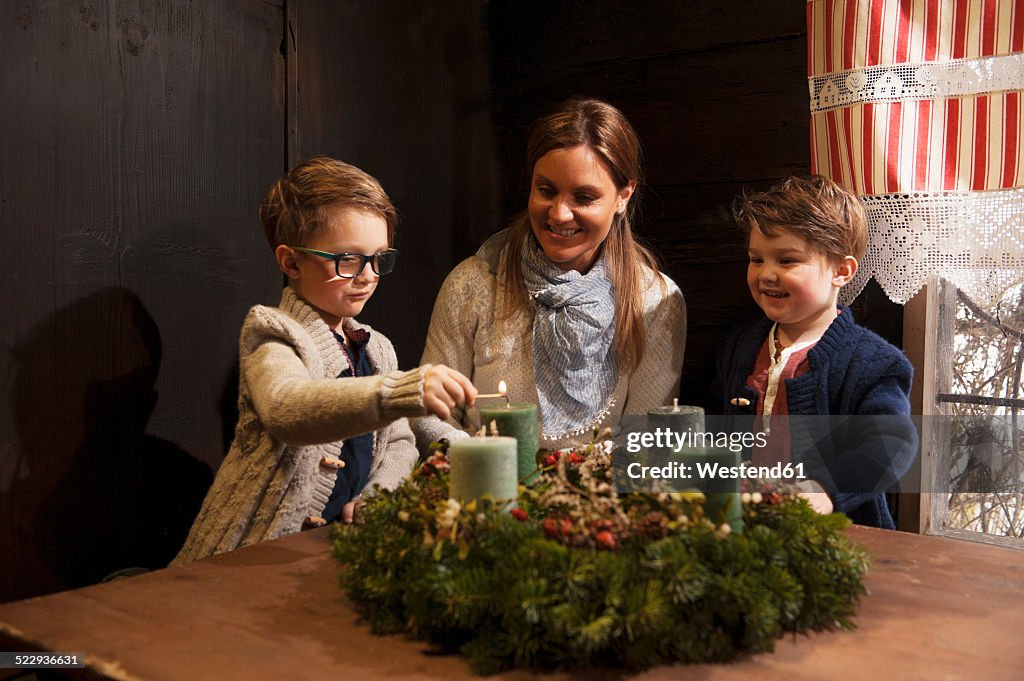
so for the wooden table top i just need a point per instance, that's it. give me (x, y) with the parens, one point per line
(938, 609)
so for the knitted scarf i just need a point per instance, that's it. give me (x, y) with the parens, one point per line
(574, 362)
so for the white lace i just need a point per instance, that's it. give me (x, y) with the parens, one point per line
(974, 239)
(928, 80)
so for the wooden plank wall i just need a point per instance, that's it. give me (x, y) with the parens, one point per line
(138, 139)
(718, 94)
(405, 95)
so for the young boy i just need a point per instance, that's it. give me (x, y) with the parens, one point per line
(808, 357)
(322, 404)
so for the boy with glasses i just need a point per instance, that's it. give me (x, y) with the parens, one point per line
(322, 405)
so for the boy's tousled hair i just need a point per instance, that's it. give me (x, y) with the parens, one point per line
(828, 217)
(297, 205)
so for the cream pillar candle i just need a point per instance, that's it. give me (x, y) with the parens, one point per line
(483, 465)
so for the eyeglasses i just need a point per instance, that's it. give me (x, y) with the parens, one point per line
(349, 265)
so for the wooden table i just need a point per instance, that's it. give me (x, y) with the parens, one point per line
(939, 609)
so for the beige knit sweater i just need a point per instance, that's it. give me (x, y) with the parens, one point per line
(294, 414)
(465, 335)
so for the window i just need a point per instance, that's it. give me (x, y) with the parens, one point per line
(973, 431)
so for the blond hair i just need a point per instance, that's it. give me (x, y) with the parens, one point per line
(606, 132)
(297, 205)
(828, 217)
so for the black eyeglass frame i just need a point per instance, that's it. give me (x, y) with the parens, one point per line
(373, 259)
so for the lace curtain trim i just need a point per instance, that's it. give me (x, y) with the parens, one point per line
(930, 80)
(974, 239)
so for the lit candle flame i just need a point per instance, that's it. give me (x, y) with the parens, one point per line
(502, 392)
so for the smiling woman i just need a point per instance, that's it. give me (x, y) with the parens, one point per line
(565, 305)
(573, 202)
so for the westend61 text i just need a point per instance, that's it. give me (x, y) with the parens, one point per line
(666, 438)
(708, 471)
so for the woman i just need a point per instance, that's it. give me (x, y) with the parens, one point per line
(565, 305)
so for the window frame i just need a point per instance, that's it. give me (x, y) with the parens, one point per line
(926, 329)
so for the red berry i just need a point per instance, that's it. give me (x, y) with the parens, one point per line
(519, 514)
(551, 528)
(605, 539)
(550, 460)
(576, 457)
(566, 527)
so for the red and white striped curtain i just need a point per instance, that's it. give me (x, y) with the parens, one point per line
(916, 106)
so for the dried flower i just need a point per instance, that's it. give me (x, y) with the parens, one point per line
(448, 515)
(655, 525)
(434, 495)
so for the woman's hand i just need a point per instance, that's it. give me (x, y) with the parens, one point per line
(444, 389)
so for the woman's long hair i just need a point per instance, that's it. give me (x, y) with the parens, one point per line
(609, 135)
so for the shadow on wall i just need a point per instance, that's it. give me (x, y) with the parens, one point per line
(94, 493)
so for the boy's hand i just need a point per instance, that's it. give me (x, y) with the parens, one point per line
(816, 497)
(444, 389)
(348, 511)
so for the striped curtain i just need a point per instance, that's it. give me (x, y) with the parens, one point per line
(916, 106)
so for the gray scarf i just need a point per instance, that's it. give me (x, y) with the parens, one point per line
(574, 362)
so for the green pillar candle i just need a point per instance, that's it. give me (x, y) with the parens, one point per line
(677, 417)
(721, 493)
(518, 420)
(482, 465)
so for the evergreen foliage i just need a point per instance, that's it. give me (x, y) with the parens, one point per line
(621, 580)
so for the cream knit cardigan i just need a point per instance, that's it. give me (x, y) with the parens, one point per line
(465, 335)
(294, 414)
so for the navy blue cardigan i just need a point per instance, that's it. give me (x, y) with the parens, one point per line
(853, 371)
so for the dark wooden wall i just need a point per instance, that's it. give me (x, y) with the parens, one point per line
(717, 92)
(405, 96)
(130, 166)
(137, 140)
